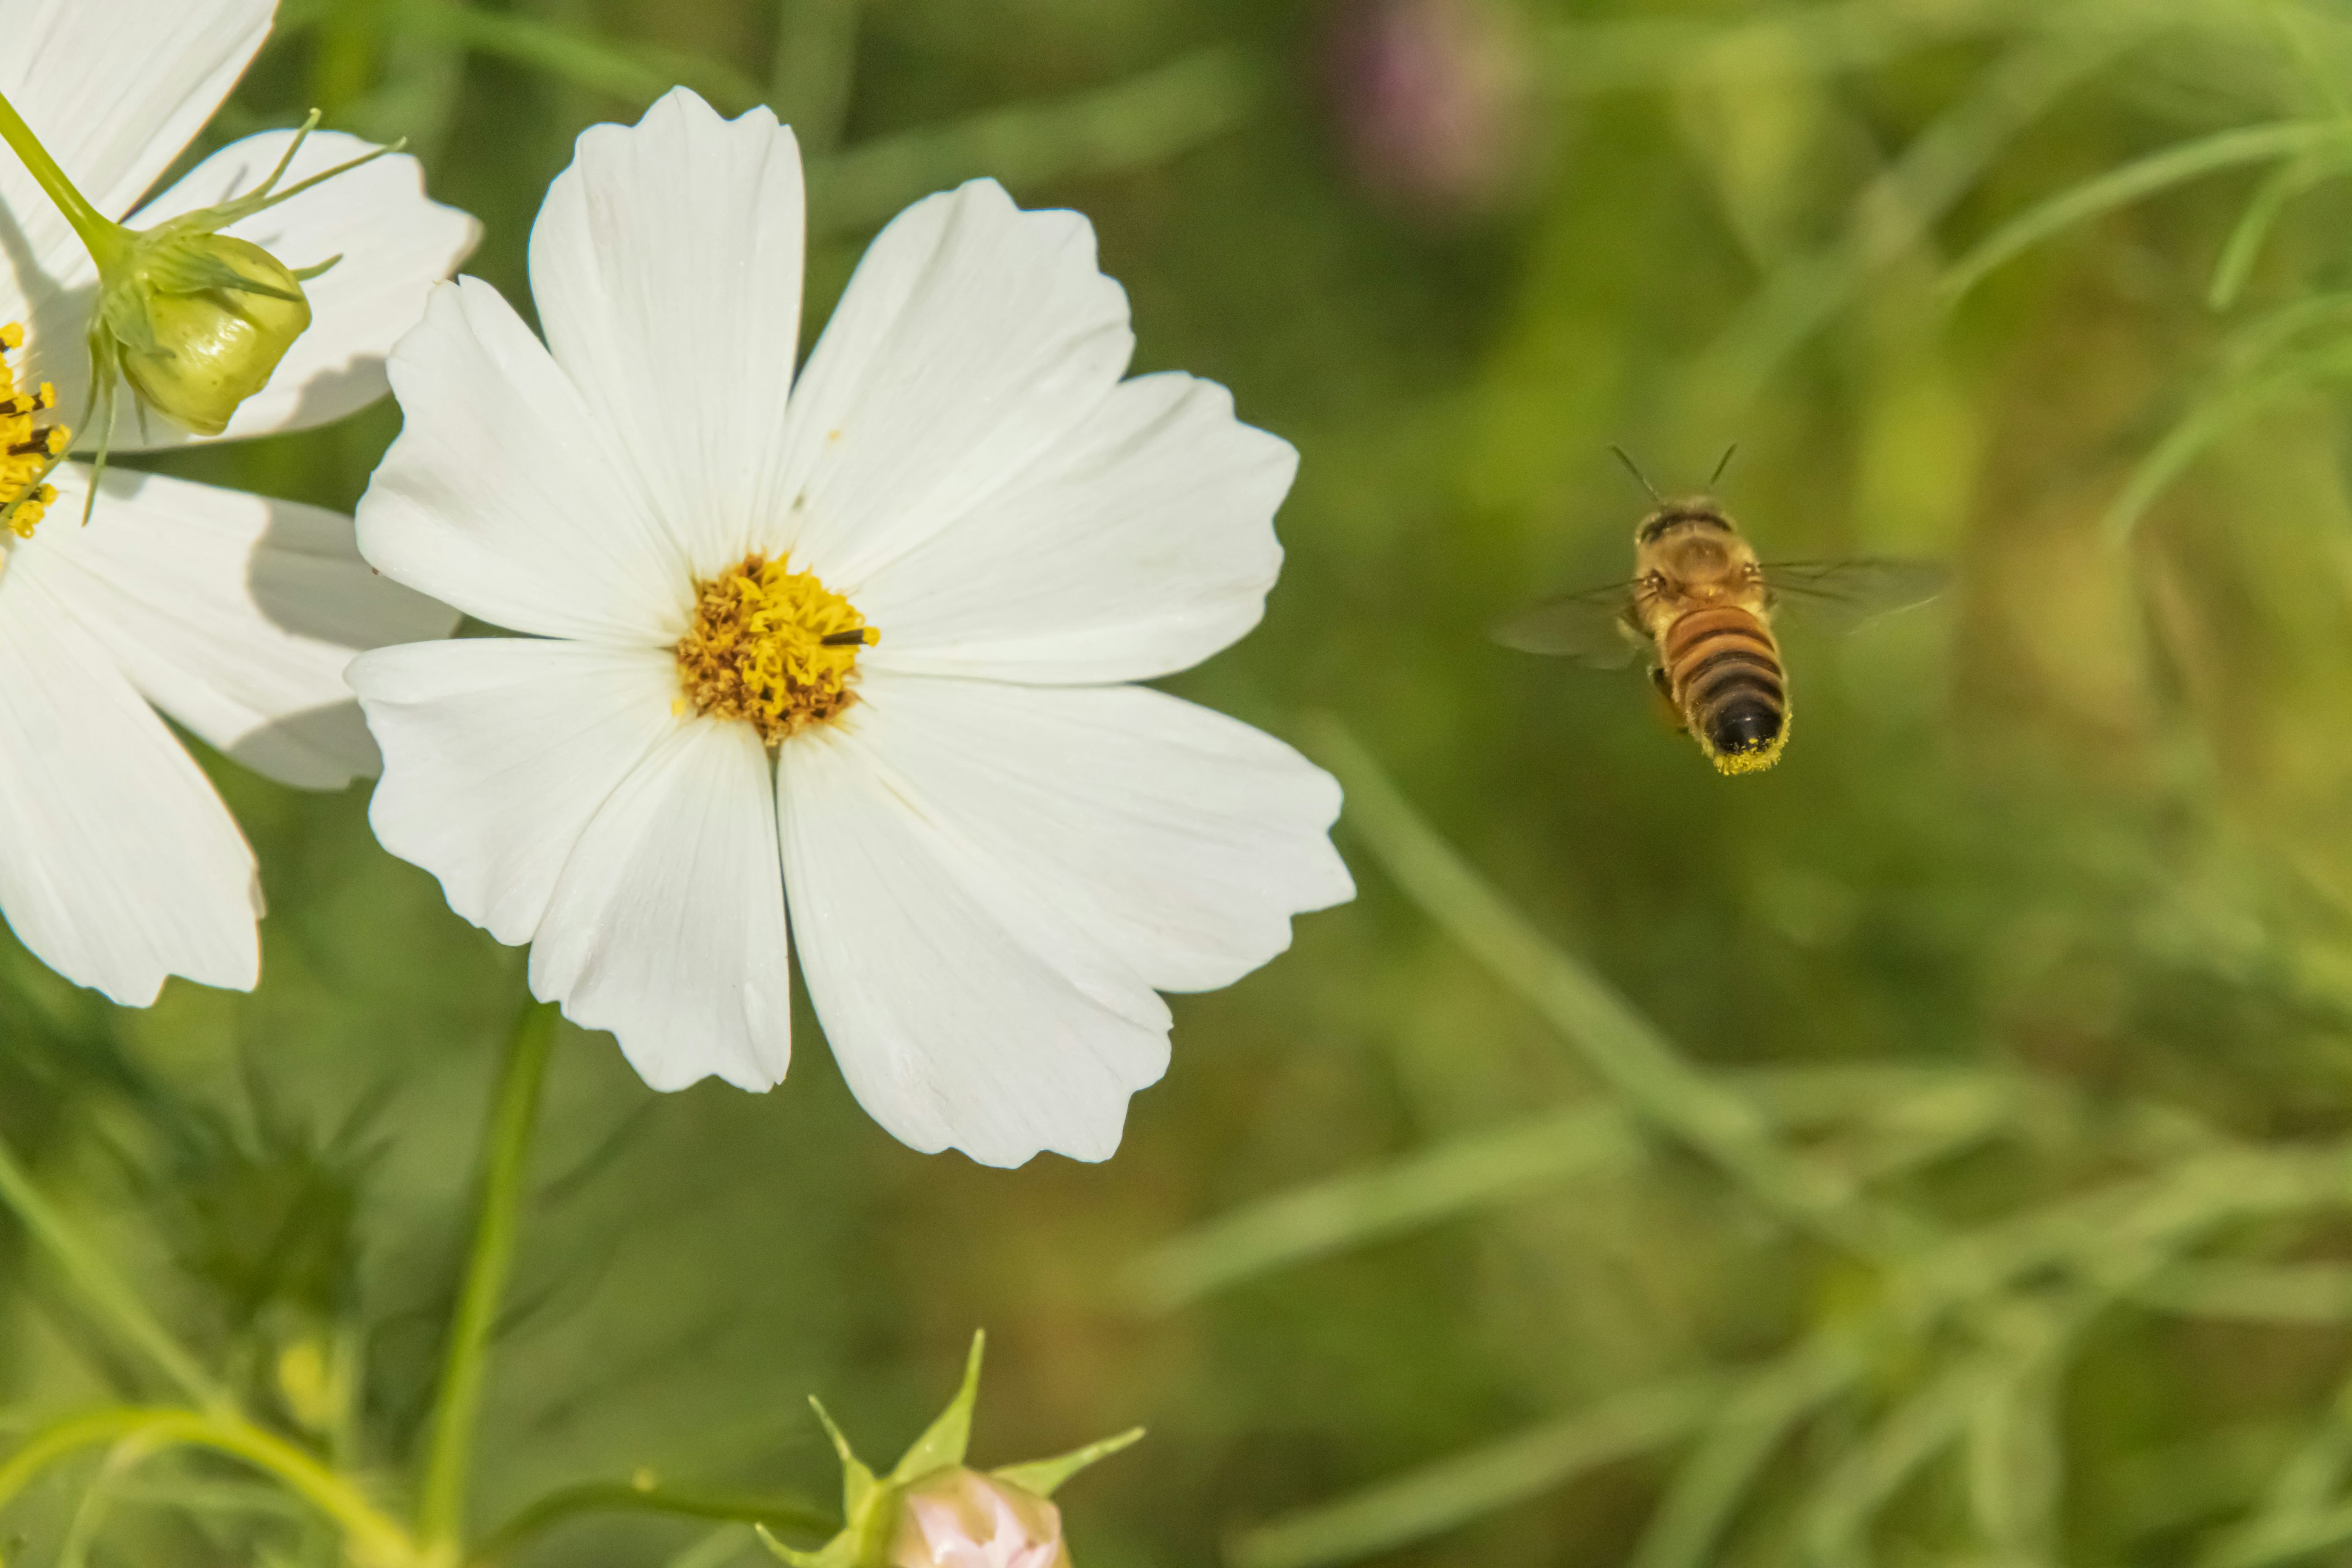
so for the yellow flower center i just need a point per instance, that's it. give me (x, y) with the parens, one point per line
(772, 646)
(27, 451)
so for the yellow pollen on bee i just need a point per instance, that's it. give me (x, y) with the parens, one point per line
(27, 451)
(772, 647)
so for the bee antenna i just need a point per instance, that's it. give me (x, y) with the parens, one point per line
(1639, 478)
(1725, 463)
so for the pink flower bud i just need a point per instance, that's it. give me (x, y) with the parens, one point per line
(962, 1518)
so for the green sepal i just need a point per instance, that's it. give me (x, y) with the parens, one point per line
(856, 1479)
(942, 1445)
(1042, 1475)
(262, 197)
(182, 269)
(841, 1552)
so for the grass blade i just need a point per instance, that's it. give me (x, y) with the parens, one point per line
(637, 73)
(1131, 125)
(1428, 1501)
(1616, 1041)
(2119, 187)
(2283, 1293)
(1742, 1440)
(1328, 1216)
(1903, 1118)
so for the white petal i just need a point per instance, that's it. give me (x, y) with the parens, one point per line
(953, 1028)
(500, 496)
(1179, 839)
(1140, 545)
(114, 88)
(395, 244)
(119, 864)
(497, 752)
(972, 338)
(233, 613)
(667, 267)
(667, 926)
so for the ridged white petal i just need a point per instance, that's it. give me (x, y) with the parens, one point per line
(948, 999)
(972, 338)
(233, 613)
(1140, 543)
(667, 926)
(395, 244)
(119, 864)
(496, 754)
(667, 268)
(502, 496)
(1178, 841)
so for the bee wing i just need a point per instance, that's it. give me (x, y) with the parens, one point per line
(1589, 627)
(1843, 594)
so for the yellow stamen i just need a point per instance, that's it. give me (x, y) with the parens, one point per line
(27, 452)
(772, 646)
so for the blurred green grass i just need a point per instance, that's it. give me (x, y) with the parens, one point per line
(2035, 947)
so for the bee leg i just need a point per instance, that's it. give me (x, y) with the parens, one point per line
(1667, 709)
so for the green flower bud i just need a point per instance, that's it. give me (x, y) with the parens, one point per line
(193, 320)
(932, 1511)
(197, 321)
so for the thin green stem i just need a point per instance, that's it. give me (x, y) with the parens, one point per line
(1617, 1042)
(623, 1497)
(106, 239)
(373, 1536)
(815, 63)
(441, 1508)
(106, 1291)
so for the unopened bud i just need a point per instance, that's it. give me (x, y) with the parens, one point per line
(962, 1518)
(198, 322)
(931, 1510)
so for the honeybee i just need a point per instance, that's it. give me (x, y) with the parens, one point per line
(1702, 604)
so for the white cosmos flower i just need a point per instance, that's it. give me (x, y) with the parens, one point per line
(232, 614)
(995, 852)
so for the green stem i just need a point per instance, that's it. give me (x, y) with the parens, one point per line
(106, 239)
(103, 1289)
(441, 1509)
(1621, 1046)
(621, 1497)
(373, 1537)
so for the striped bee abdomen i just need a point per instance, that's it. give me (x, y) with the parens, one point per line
(1723, 672)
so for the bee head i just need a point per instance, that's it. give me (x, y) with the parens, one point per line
(1697, 512)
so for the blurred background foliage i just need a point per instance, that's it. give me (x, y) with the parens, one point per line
(1936, 1149)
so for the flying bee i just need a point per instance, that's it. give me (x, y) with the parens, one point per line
(1702, 604)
